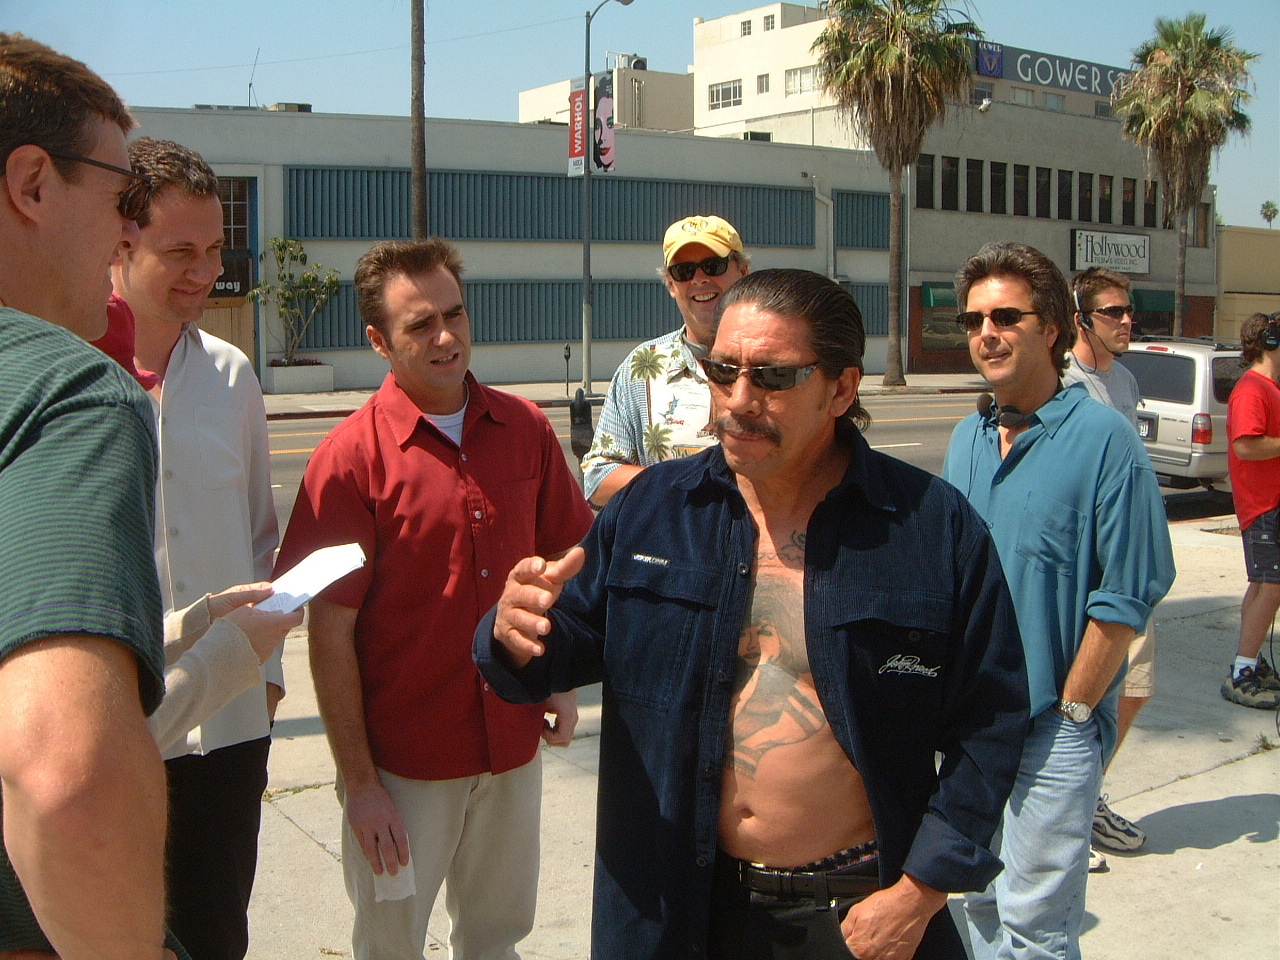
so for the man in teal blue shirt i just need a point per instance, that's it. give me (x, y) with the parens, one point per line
(1079, 524)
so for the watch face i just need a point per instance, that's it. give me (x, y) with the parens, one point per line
(1079, 712)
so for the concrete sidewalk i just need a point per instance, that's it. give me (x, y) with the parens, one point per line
(340, 403)
(1193, 774)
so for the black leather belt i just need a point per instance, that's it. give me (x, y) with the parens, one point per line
(791, 884)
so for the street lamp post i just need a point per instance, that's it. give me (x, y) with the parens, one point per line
(587, 160)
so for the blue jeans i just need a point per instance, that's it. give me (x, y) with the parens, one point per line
(1035, 908)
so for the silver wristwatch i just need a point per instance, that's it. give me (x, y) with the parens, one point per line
(1073, 711)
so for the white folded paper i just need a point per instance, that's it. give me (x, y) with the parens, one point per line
(312, 575)
(399, 887)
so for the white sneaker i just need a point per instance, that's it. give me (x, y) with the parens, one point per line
(1114, 832)
(1097, 862)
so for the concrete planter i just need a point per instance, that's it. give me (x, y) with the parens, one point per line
(308, 378)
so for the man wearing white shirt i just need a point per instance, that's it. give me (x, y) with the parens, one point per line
(215, 527)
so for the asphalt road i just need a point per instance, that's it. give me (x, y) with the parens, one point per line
(914, 428)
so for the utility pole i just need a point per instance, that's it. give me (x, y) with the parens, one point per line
(418, 147)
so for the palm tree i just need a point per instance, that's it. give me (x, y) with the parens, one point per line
(1269, 212)
(892, 67)
(1180, 104)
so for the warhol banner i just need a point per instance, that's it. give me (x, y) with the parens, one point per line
(577, 126)
(605, 152)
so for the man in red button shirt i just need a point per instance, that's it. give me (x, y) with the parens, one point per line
(446, 484)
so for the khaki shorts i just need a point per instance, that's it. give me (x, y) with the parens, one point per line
(1140, 681)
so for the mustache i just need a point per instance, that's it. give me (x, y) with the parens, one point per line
(722, 425)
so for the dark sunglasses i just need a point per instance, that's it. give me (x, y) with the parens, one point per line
(766, 378)
(971, 320)
(133, 198)
(1116, 312)
(712, 267)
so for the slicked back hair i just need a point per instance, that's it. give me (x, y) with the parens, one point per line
(1088, 286)
(399, 258)
(1050, 295)
(49, 100)
(170, 165)
(836, 334)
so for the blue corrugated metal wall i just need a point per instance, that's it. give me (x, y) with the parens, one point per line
(873, 299)
(862, 220)
(522, 311)
(329, 203)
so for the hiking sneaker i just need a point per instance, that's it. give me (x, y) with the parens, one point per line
(1248, 691)
(1097, 862)
(1113, 831)
(1266, 675)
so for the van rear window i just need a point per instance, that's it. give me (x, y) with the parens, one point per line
(1162, 376)
(1226, 371)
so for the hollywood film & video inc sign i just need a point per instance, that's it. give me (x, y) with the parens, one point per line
(1122, 252)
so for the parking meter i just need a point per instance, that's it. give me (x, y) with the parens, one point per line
(581, 431)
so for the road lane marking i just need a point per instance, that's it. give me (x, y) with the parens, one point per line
(890, 446)
(300, 450)
(876, 420)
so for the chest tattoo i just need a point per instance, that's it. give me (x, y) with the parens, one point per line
(775, 701)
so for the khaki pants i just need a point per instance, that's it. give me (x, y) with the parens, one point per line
(477, 835)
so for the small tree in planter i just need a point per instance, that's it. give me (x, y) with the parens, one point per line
(299, 292)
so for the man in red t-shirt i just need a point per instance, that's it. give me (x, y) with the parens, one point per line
(446, 484)
(1253, 457)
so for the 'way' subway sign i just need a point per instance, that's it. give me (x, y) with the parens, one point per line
(1122, 252)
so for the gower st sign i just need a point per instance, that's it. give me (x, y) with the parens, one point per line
(1121, 252)
(1045, 69)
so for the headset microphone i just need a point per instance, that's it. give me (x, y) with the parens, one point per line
(1271, 339)
(1006, 416)
(1086, 320)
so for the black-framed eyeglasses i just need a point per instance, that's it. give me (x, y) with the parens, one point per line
(1116, 312)
(766, 378)
(712, 267)
(971, 320)
(133, 198)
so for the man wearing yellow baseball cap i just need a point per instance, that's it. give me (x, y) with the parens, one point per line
(658, 406)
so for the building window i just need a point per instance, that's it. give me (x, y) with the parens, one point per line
(727, 94)
(1149, 205)
(801, 80)
(998, 175)
(1104, 198)
(1056, 102)
(1128, 203)
(746, 28)
(924, 181)
(1021, 190)
(769, 21)
(761, 136)
(1064, 194)
(762, 83)
(1102, 108)
(1043, 186)
(982, 90)
(950, 183)
(1085, 194)
(1024, 97)
(234, 194)
(1199, 234)
(973, 186)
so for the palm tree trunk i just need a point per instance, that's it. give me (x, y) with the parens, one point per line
(418, 135)
(893, 376)
(1180, 276)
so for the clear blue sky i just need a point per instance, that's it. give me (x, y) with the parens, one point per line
(352, 56)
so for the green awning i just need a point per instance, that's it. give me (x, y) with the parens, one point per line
(1152, 301)
(939, 294)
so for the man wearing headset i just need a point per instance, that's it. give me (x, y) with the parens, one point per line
(1104, 316)
(1253, 459)
(1077, 519)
